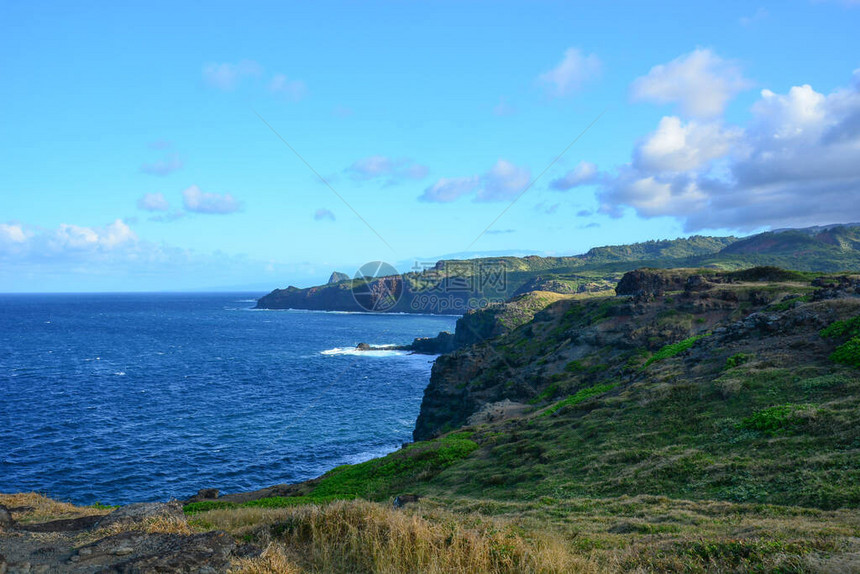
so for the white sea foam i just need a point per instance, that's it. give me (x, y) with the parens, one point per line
(354, 351)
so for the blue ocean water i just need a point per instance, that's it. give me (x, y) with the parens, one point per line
(118, 398)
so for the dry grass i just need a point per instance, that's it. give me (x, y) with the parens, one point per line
(43, 508)
(626, 534)
(359, 536)
(274, 560)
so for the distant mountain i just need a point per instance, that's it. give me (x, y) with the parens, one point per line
(454, 286)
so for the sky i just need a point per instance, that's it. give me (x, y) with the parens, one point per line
(155, 146)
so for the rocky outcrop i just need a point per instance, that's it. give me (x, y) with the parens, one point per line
(337, 277)
(601, 341)
(121, 541)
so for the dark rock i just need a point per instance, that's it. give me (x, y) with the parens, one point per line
(6, 520)
(66, 525)
(141, 511)
(208, 493)
(159, 552)
(404, 499)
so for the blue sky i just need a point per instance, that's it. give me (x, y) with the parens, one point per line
(137, 152)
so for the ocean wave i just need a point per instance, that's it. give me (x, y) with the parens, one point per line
(357, 353)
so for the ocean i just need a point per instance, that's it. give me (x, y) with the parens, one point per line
(119, 398)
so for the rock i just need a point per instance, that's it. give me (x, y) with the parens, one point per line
(337, 277)
(65, 525)
(404, 499)
(208, 493)
(6, 520)
(141, 511)
(159, 552)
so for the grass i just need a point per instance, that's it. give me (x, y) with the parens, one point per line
(673, 349)
(625, 534)
(381, 477)
(578, 397)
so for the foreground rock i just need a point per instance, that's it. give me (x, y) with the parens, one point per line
(144, 537)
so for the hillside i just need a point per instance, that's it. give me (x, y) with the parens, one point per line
(694, 420)
(457, 286)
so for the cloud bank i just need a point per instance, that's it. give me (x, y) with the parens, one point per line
(796, 162)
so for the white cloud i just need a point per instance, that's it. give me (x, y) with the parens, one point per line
(575, 69)
(115, 234)
(583, 174)
(700, 82)
(322, 213)
(198, 201)
(153, 202)
(290, 89)
(394, 170)
(795, 163)
(675, 146)
(12, 233)
(164, 166)
(447, 189)
(504, 181)
(18, 240)
(228, 76)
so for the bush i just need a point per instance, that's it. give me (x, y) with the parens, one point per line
(737, 360)
(848, 353)
(773, 420)
(847, 328)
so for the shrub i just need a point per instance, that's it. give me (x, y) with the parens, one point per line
(848, 353)
(737, 360)
(773, 420)
(846, 328)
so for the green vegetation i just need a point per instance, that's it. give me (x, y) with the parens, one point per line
(737, 360)
(848, 353)
(671, 350)
(269, 502)
(846, 328)
(776, 419)
(381, 477)
(577, 398)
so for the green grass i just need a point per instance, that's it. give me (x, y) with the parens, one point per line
(575, 399)
(270, 502)
(671, 350)
(381, 477)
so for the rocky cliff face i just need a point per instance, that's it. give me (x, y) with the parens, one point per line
(603, 340)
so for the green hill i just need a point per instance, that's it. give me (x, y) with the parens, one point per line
(457, 286)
